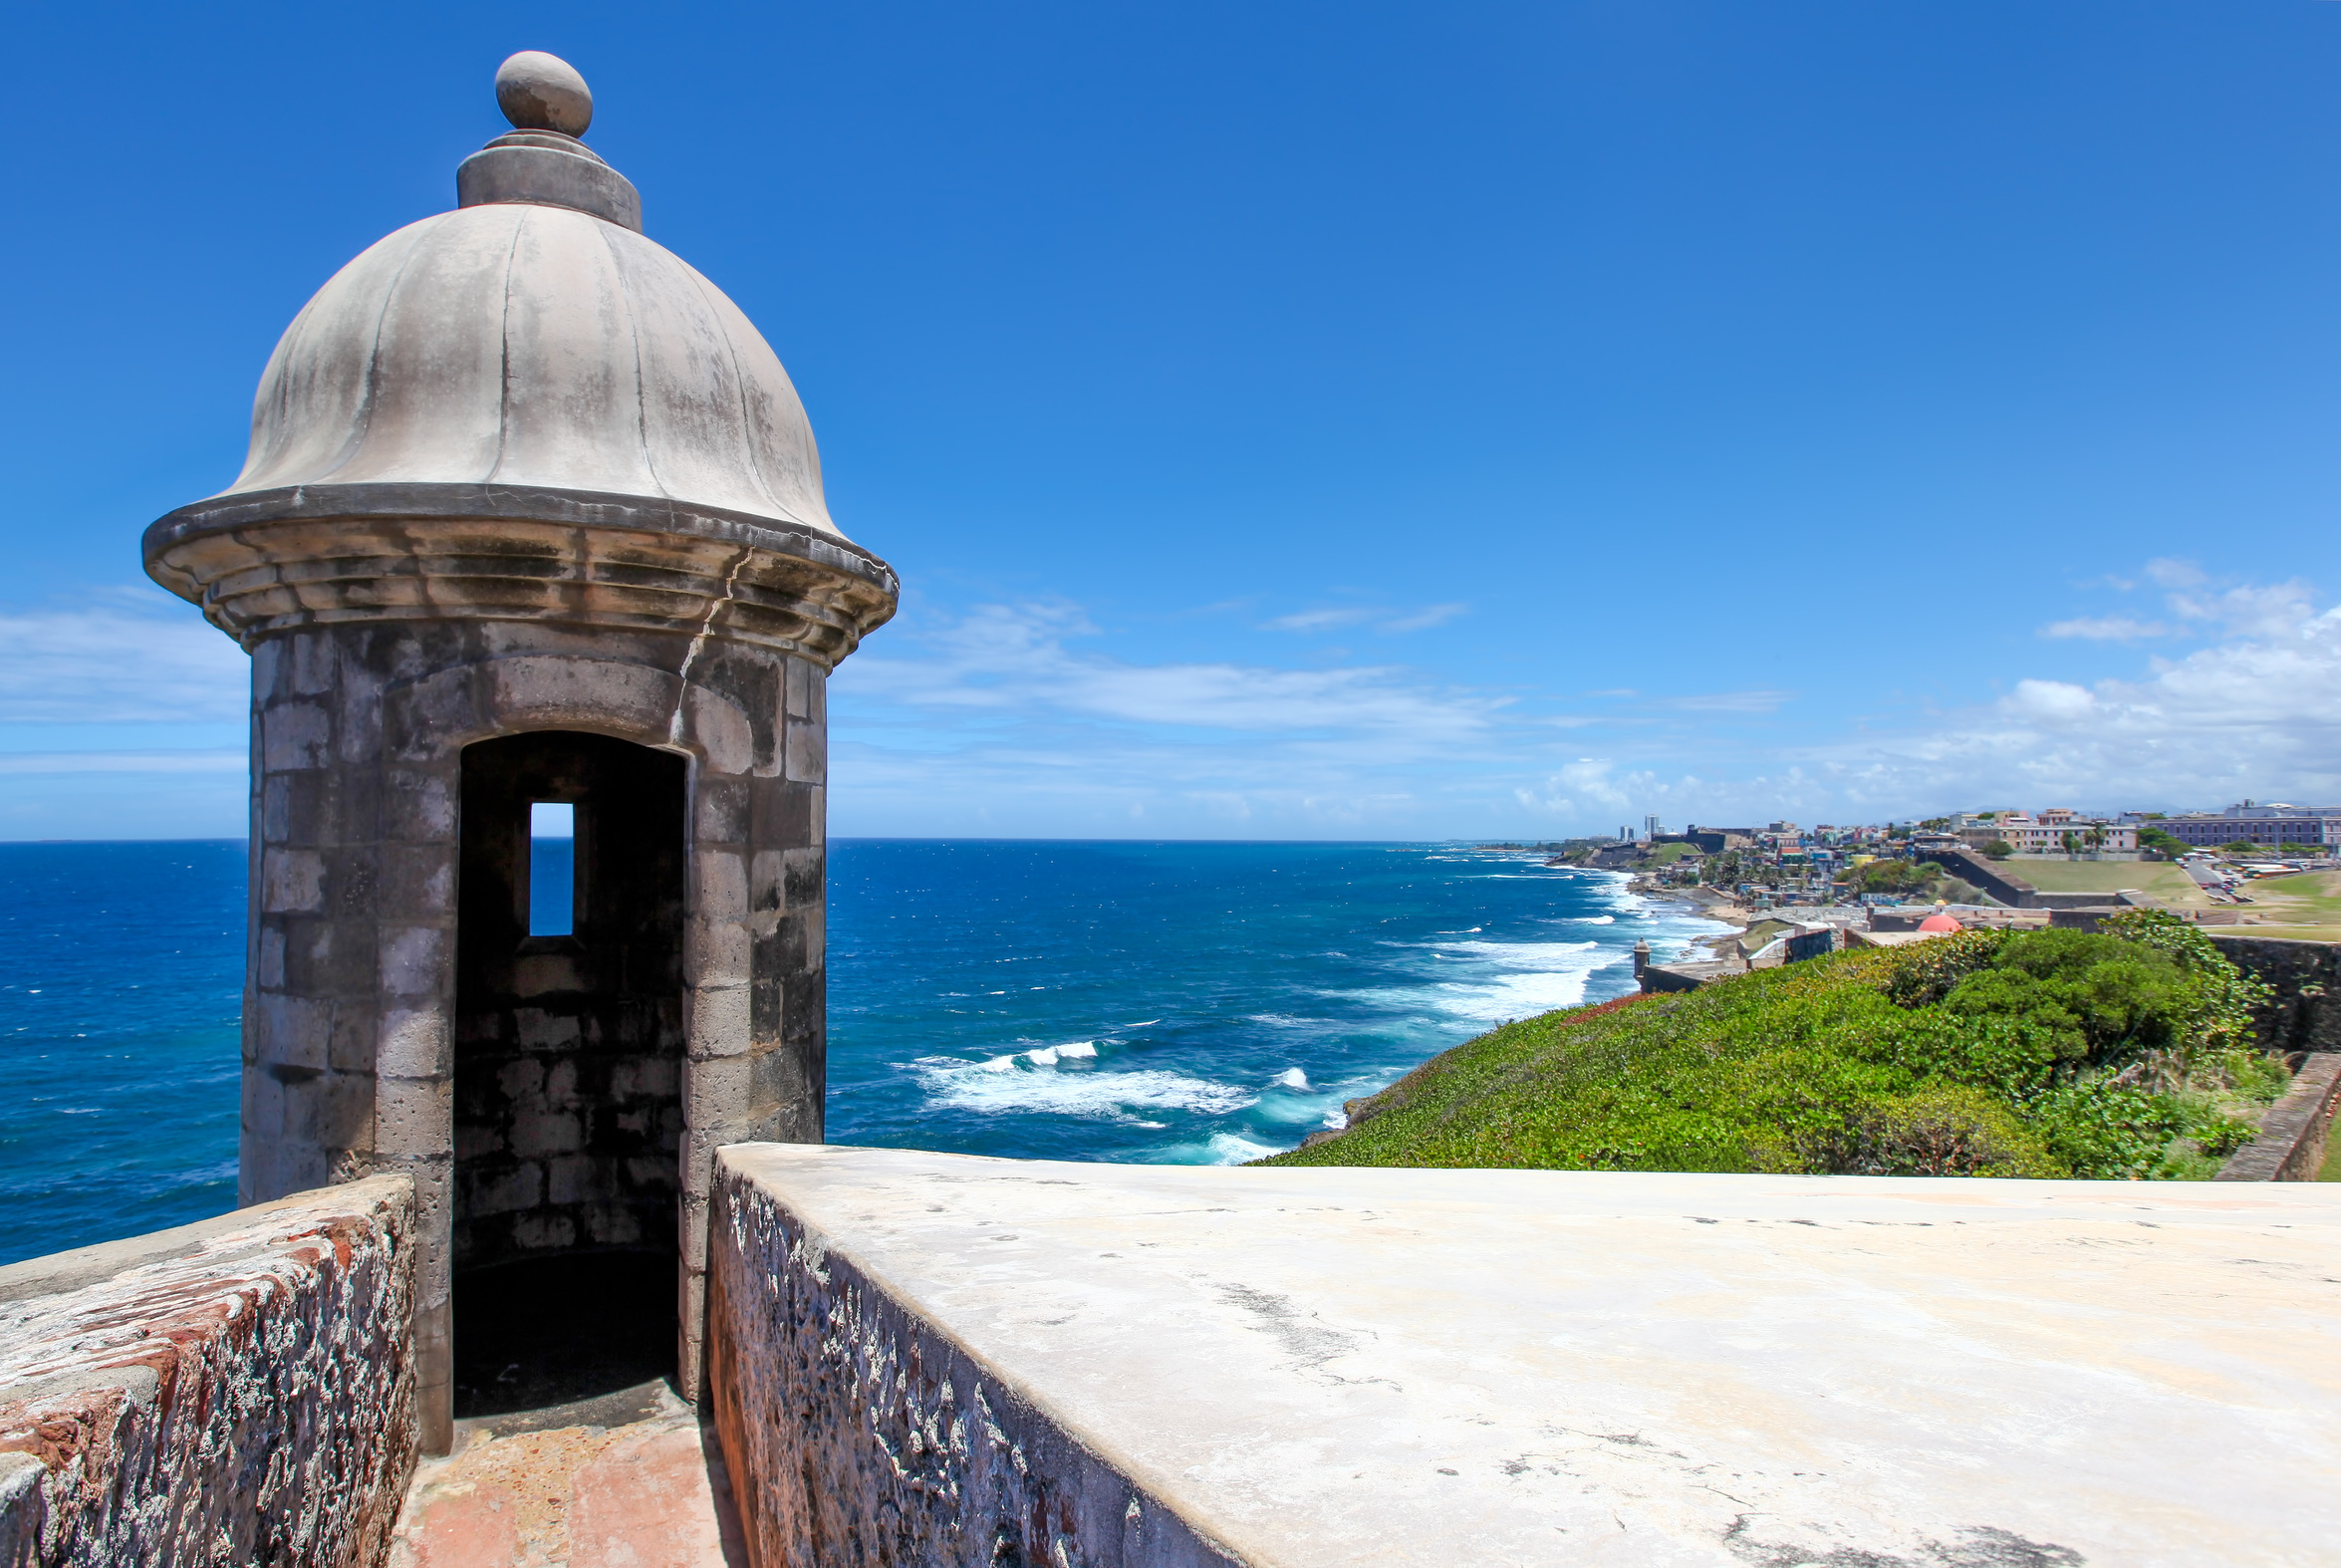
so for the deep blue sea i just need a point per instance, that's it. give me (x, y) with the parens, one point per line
(1176, 1002)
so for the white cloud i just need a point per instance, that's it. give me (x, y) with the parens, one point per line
(128, 655)
(1730, 703)
(1317, 619)
(1012, 659)
(2108, 628)
(1422, 619)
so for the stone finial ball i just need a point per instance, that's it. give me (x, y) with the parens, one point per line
(541, 92)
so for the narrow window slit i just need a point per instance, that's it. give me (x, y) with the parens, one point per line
(552, 868)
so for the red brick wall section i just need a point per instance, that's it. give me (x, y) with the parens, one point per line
(241, 1391)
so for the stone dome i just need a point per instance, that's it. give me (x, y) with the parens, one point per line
(523, 409)
(519, 343)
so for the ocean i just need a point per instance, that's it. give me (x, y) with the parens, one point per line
(1174, 1002)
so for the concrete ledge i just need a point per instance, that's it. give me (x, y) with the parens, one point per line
(2292, 1142)
(238, 1390)
(939, 1359)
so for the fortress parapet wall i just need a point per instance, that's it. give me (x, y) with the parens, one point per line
(240, 1389)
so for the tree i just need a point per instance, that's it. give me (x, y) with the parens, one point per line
(1999, 850)
(2162, 843)
(2239, 846)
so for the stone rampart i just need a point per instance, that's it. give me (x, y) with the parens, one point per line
(239, 1391)
(938, 1359)
(2292, 1136)
(858, 1430)
(2304, 975)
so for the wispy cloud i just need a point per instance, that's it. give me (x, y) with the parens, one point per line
(1729, 703)
(1424, 619)
(1383, 618)
(2106, 629)
(1013, 659)
(125, 655)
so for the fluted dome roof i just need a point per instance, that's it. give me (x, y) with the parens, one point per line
(515, 343)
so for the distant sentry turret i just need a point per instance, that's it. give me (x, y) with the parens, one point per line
(531, 515)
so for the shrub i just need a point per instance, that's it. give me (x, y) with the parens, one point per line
(1999, 850)
(1986, 1053)
(1940, 1130)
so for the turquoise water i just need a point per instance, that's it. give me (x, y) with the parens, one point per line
(1181, 1003)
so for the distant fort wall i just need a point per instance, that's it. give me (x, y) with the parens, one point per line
(237, 1390)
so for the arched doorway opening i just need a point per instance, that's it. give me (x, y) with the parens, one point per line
(569, 1052)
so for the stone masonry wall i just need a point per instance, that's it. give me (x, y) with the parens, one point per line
(236, 1392)
(858, 1434)
(2306, 1012)
(569, 1049)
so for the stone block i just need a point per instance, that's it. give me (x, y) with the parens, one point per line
(720, 810)
(417, 961)
(555, 692)
(542, 1231)
(538, 1133)
(417, 881)
(726, 743)
(310, 662)
(719, 884)
(577, 1179)
(415, 1043)
(717, 1091)
(540, 1030)
(521, 1079)
(415, 1116)
(296, 1031)
(262, 1113)
(808, 753)
(419, 805)
(429, 719)
(613, 1225)
(272, 959)
(295, 735)
(292, 881)
(717, 952)
(275, 807)
(716, 1021)
(329, 958)
(334, 1111)
(267, 670)
(510, 1190)
(690, 1229)
(804, 689)
(778, 1084)
(767, 888)
(351, 1048)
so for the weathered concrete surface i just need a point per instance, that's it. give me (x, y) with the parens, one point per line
(2292, 1142)
(639, 1485)
(236, 1392)
(1385, 1367)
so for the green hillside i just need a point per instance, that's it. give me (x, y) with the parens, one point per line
(2054, 1053)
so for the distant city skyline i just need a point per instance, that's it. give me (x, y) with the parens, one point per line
(1377, 422)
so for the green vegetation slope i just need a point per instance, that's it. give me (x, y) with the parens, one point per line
(2052, 1053)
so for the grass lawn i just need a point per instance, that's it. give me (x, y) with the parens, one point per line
(2332, 1170)
(2159, 878)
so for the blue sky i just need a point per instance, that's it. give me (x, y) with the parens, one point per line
(1319, 420)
